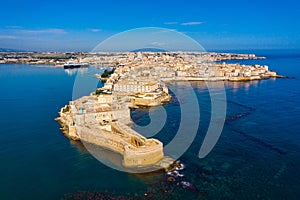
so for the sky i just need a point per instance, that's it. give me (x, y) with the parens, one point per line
(59, 25)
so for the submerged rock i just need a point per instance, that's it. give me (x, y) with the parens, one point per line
(175, 174)
(187, 185)
(171, 179)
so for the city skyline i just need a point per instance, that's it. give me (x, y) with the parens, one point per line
(80, 26)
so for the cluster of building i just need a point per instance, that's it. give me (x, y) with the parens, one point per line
(173, 65)
(51, 58)
(147, 72)
(100, 58)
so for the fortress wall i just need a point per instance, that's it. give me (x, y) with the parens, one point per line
(142, 102)
(124, 129)
(73, 133)
(147, 152)
(66, 122)
(101, 139)
(146, 155)
(150, 102)
(132, 156)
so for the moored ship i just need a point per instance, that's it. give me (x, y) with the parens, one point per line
(71, 65)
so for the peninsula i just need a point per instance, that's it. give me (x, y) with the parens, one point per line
(139, 79)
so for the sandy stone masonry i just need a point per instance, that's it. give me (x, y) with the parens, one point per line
(91, 119)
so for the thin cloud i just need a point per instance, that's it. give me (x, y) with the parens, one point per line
(95, 30)
(13, 27)
(7, 37)
(170, 23)
(44, 31)
(158, 43)
(191, 23)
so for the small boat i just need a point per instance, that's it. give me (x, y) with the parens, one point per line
(72, 65)
(175, 174)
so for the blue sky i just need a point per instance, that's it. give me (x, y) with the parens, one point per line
(81, 25)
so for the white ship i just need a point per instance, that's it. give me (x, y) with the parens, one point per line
(71, 65)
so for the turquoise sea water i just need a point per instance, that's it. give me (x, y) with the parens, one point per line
(256, 157)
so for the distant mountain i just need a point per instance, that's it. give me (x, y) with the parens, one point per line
(149, 50)
(11, 50)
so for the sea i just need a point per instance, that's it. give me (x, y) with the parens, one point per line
(257, 155)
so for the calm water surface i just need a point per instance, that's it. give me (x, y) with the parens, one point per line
(257, 156)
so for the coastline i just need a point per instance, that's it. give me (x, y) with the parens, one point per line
(139, 80)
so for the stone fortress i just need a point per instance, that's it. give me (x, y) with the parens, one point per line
(92, 119)
(102, 119)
